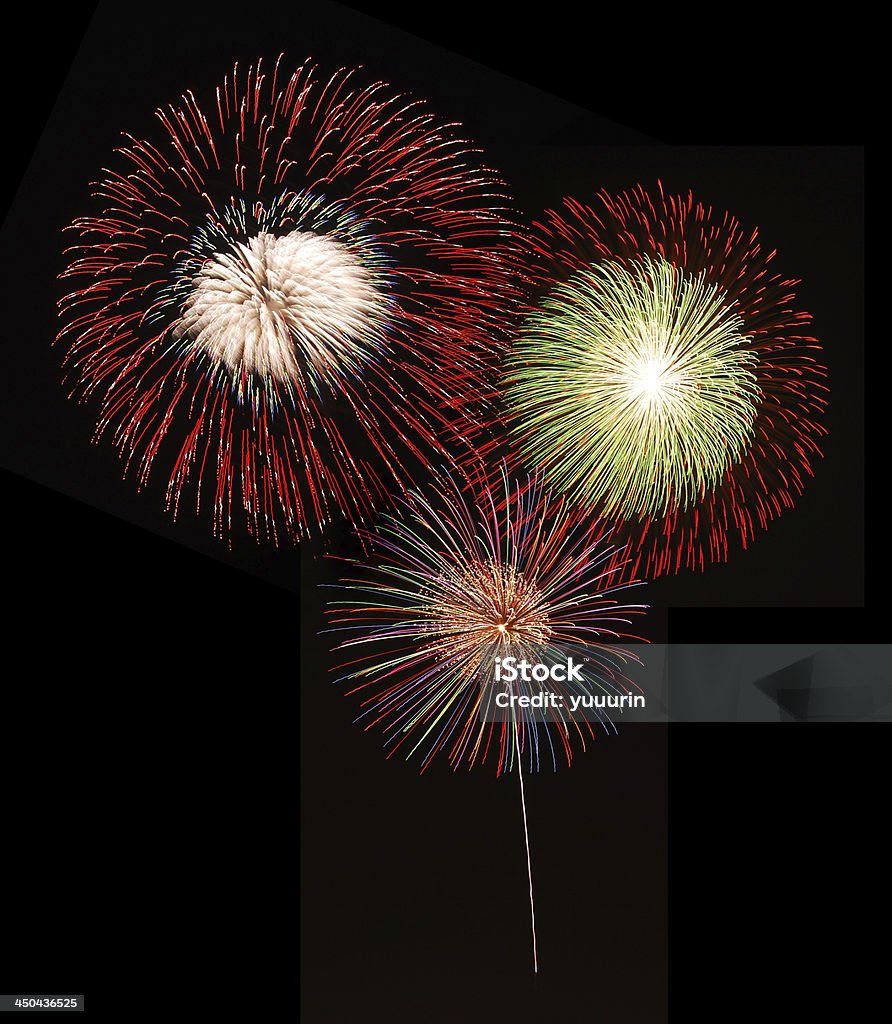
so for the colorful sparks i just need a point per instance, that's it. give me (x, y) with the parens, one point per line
(459, 575)
(464, 575)
(290, 297)
(664, 379)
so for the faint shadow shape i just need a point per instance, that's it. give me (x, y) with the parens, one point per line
(833, 685)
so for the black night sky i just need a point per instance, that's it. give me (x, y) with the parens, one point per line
(169, 844)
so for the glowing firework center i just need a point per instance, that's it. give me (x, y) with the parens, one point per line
(295, 292)
(481, 603)
(257, 307)
(633, 388)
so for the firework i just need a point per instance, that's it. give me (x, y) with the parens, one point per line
(289, 297)
(663, 379)
(460, 577)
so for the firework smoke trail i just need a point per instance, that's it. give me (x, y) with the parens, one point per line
(289, 297)
(472, 569)
(663, 378)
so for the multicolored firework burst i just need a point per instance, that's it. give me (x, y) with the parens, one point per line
(291, 297)
(461, 576)
(664, 379)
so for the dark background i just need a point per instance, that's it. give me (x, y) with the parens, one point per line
(153, 677)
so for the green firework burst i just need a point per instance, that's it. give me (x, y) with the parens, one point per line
(632, 387)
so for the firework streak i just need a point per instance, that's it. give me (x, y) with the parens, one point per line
(663, 378)
(289, 297)
(457, 575)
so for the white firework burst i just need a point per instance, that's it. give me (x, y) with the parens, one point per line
(272, 305)
(294, 293)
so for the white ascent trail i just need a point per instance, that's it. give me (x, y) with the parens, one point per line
(526, 836)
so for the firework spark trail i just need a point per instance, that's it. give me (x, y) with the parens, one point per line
(289, 296)
(691, 434)
(526, 839)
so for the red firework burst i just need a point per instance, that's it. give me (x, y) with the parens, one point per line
(289, 297)
(721, 264)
